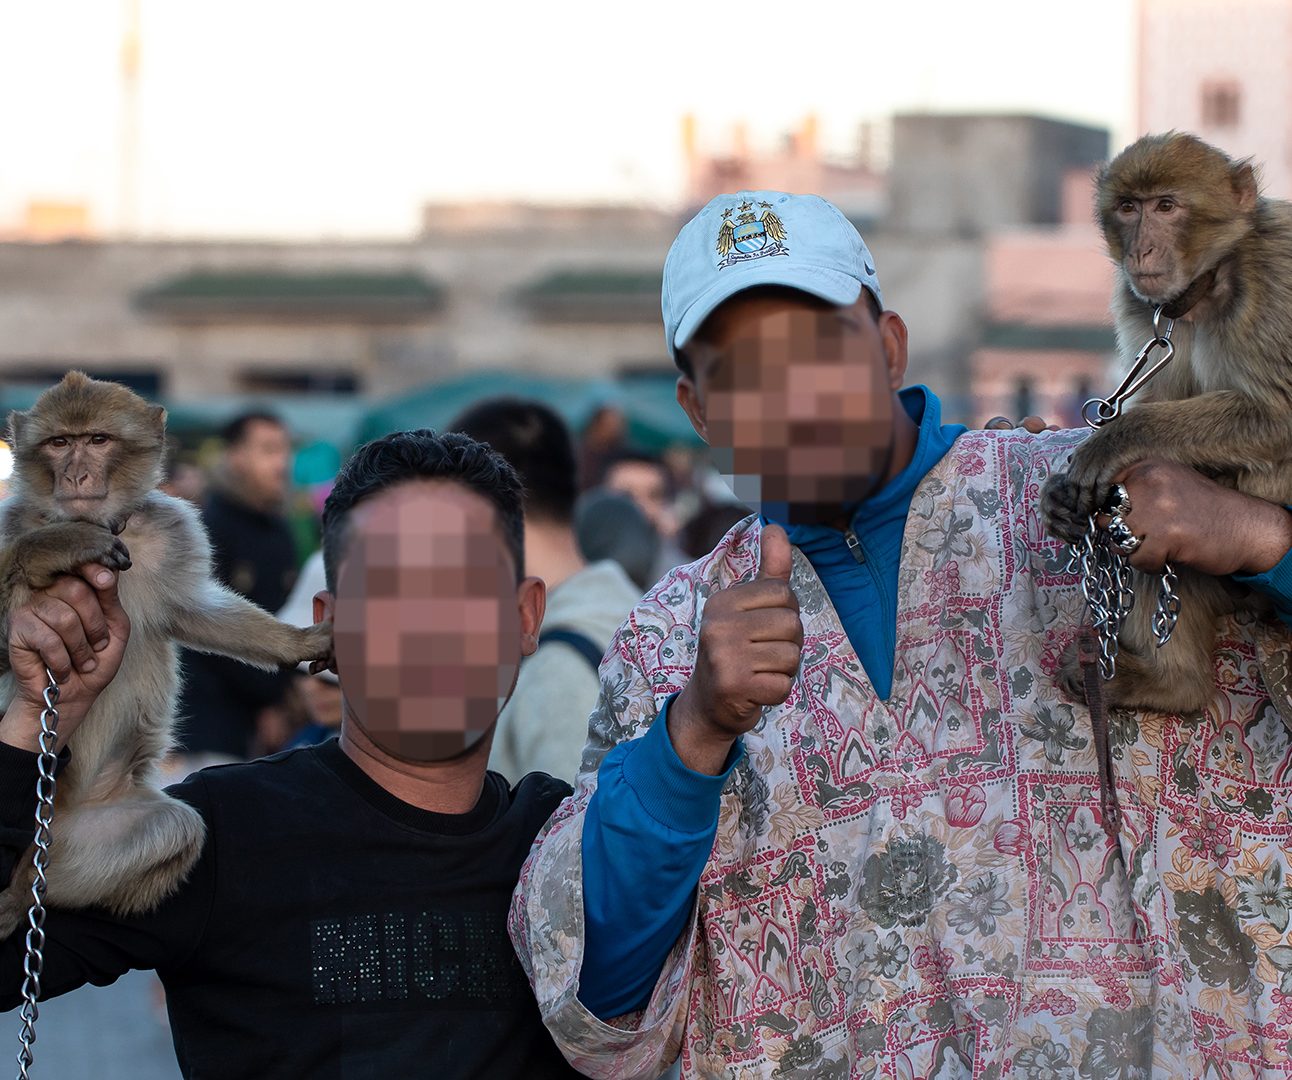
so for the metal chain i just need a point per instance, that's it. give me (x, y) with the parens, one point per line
(1105, 574)
(34, 962)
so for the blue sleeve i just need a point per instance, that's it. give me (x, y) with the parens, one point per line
(1276, 583)
(647, 833)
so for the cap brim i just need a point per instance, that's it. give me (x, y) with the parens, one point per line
(832, 286)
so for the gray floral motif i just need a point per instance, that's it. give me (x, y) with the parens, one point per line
(1266, 897)
(1082, 832)
(899, 886)
(978, 904)
(876, 957)
(1212, 940)
(1044, 1060)
(1053, 728)
(1119, 1044)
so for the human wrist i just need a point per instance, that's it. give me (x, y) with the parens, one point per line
(699, 745)
(1269, 540)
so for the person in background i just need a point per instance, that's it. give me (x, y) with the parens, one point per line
(649, 482)
(229, 710)
(609, 525)
(602, 436)
(544, 726)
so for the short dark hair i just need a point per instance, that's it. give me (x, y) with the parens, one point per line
(536, 443)
(683, 361)
(236, 429)
(629, 456)
(423, 455)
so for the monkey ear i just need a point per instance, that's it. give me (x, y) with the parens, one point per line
(1246, 187)
(17, 424)
(157, 416)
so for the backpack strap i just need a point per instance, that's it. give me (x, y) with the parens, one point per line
(580, 643)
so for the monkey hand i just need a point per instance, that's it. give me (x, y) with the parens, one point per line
(1059, 509)
(317, 647)
(1097, 462)
(46, 553)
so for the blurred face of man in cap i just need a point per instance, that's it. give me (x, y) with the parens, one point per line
(799, 393)
(790, 366)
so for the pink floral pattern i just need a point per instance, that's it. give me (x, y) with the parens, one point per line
(923, 887)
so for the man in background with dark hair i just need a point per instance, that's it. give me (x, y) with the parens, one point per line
(544, 726)
(346, 918)
(228, 710)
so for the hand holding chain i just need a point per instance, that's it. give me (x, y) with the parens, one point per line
(34, 962)
(1100, 557)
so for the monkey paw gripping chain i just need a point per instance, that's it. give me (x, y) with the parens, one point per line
(34, 963)
(1105, 573)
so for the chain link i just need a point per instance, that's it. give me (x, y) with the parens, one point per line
(34, 962)
(1106, 576)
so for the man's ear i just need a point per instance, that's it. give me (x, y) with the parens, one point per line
(688, 396)
(893, 333)
(531, 602)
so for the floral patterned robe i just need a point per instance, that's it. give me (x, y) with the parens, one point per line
(922, 887)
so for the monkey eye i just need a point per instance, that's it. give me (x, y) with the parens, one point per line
(98, 439)
(1126, 206)
(58, 442)
(1165, 206)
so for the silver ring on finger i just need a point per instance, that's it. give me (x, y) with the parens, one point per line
(1123, 539)
(1119, 503)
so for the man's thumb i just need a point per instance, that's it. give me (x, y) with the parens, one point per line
(774, 554)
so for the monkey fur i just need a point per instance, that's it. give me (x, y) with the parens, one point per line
(1186, 226)
(87, 462)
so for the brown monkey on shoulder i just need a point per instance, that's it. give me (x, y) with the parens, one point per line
(1188, 229)
(87, 462)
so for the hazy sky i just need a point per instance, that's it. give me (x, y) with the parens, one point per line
(303, 117)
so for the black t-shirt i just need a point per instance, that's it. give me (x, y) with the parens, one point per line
(329, 929)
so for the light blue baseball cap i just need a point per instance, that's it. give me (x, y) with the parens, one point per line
(756, 238)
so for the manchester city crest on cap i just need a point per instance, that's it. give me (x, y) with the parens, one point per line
(750, 231)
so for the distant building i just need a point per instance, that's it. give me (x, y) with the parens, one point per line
(1223, 70)
(855, 185)
(971, 175)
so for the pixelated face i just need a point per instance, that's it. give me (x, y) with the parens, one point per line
(798, 395)
(428, 623)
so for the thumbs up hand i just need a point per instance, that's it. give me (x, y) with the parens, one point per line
(751, 641)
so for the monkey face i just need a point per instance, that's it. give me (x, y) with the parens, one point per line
(429, 623)
(798, 395)
(88, 450)
(1172, 208)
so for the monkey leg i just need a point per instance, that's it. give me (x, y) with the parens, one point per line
(1179, 677)
(127, 855)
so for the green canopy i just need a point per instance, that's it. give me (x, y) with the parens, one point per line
(655, 420)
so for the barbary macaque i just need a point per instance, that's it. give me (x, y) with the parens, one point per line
(87, 462)
(1189, 231)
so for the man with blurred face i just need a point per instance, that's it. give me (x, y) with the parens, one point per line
(347, 916)
(836, 820)
(227, 709)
